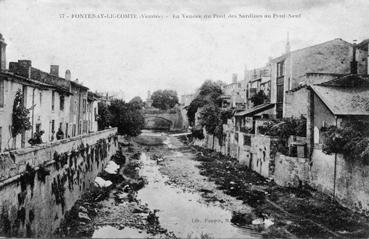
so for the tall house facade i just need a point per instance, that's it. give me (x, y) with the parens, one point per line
(57, 106)
(289, 70)
(48, 105)
(78, 116)
(256, 80)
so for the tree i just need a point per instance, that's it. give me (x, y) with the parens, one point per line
(127, 117)
(209, 93)
(211, 118)
(164, 99)
(137, 101)
(20, 119)
(259, 98)
(103, 120)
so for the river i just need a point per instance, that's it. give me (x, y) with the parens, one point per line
(180, 211)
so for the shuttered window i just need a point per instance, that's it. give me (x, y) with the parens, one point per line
(2, 93)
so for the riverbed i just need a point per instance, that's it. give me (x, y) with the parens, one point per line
(180, 205)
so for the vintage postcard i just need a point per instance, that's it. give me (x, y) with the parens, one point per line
(184, 119)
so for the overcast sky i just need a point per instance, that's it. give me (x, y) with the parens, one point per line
(137, 55)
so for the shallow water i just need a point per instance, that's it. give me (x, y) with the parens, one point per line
(179, 211)
(182, 212)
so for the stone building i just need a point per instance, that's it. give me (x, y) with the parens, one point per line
(92, 111)
(310, 65)
(78, 109)
(187, 99)
(54, 102)
(232, 92)
(256, 80)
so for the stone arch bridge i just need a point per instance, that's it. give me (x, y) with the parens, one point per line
(163, 120)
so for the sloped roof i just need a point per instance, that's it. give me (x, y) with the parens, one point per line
(24, 80)
(344, 100)
(351, 80)
(255, 110)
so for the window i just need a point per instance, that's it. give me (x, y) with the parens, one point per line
(236, 137)
(40, 98)
(1, 131)
(84, 105)
(52, 126)
(52, 100)
(66, 130)
(74, 130)
(280, 69)
(61, 102)
(2, 93)
(24, 91)
(95, 115)
(38, 128)
(246, 140)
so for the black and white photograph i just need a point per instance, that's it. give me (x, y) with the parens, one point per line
(194, 119)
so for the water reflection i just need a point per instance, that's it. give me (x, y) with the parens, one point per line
(181, 212)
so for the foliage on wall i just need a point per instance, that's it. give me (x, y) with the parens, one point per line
(20, 119)
(283, 129)
(351, 140)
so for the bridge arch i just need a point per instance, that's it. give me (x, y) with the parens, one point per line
(157, 122)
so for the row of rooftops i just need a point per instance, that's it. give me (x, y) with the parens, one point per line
(344, 95)
(24, 72)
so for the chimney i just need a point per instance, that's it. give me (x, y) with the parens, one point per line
(68, 75)
(2, 53)
(288, 46)
(25, 66)
(54, 70)
(234, 78)
(354, 62)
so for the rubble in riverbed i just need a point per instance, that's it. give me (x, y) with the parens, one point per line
(112, 201)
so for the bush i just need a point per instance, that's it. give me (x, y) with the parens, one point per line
(351, 140)
(283, 129)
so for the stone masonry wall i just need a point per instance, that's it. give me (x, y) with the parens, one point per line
(348, 184)
(258, 152)
(291, 171)
(39, 184)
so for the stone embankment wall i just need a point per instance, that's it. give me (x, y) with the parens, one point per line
(259, 153)
(39, 184)
(345, 179)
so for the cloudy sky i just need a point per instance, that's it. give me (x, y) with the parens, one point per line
(137, 55)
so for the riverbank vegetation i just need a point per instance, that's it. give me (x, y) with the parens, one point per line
(296, 212)
(127, 117)
(164, 99)
(211, 115)
(351, 140)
